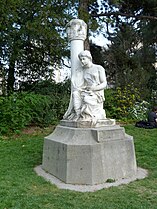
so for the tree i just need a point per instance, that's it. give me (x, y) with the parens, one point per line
(131, 28)
(128, 62)
(32, 37)
(85, 8)
(32, 33)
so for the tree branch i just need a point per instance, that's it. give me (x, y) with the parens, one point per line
(115, 14)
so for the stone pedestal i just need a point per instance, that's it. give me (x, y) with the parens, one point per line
(89, 156)
(93, 151)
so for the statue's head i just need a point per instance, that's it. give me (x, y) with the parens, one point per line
(85, 53)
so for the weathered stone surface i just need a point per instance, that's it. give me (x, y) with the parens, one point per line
(89, 156)
(140, 174)
(87, 124)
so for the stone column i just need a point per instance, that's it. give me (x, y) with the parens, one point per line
(76, 31)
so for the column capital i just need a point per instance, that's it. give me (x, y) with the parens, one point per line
(76, 30)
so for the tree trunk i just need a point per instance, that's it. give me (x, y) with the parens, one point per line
(83, 14)
(11, 75)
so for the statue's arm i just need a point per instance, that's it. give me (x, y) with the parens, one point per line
(102, 78)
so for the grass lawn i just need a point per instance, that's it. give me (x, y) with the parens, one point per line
(21, 188)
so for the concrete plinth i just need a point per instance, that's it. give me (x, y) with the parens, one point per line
(89, 156)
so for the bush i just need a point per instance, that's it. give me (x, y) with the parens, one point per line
(139, 111)
(110, 105)
(120, 101)
(59, 94)
(47, 87)
(22, 109)
(14, 113)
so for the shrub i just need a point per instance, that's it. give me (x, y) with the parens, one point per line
(14, 114)
(59, 94)
(119, 102)
(47, 87)
(139, 111)
(110, 105)
(22, 109)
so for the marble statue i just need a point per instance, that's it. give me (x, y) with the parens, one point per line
(88, 85)
(86, 148)
(76, 29)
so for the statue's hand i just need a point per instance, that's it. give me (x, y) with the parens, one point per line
(91, 88)
(85, 88)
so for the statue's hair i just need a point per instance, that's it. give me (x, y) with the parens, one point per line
(85, 53)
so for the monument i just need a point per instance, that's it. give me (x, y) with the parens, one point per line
(87, 148)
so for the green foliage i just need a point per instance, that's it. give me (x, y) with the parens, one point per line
(139, 111)
(59, 94)
(110, 180)
(22, 109)
(41, 104)
(48, 87)
(126, 98)
(129, 61)
(110, 105)
(15, 114)
(153, 97)
(119, 102)
(32, 38)
(19, 110)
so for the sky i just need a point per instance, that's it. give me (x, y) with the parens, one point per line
(100, 40)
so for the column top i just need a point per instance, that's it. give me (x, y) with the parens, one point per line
(76, 30)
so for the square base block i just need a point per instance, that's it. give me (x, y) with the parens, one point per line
(89, 156)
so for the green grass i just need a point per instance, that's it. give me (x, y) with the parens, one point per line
(21, 188)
